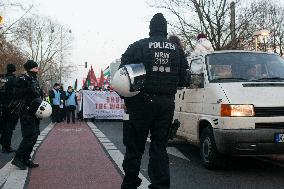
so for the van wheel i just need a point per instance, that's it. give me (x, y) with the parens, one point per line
(208, 150)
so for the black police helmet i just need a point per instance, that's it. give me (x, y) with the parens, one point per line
(11, 68)
(158, 24)
(30, 64)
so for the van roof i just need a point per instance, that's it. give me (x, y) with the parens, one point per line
(229, 51)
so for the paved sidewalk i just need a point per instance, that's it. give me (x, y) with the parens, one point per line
(71, 157)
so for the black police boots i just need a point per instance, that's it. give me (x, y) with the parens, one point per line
(7, 150)
(18, 163)
(31, 164)
(23, 165)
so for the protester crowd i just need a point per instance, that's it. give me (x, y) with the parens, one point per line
(63, 103)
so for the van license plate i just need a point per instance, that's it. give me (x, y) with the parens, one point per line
(279, 137)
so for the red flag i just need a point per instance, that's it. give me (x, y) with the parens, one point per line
(101, 81)
(93, 78)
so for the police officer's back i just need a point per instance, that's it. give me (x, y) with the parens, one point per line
(152, 109)
(29, 93)
(9, 120)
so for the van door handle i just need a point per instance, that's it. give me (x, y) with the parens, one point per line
(183, 95)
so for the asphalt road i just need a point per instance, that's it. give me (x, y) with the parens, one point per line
(188, 172)
(17, 137)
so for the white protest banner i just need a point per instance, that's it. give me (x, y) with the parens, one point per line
(102, 105)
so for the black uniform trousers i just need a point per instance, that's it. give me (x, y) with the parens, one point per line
(63, 113)
(154, 114)
(30, 132)
(56, 113)
(1, 120)
(70, 113)
(9, 122)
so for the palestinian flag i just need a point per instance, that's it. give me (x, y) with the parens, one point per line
(106, 72)
(87, 81)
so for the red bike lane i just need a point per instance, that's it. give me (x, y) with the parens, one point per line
(71, 157)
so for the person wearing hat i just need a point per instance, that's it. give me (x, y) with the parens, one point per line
(203, 45)
(28, 91)
(164, 72)
(9, 120)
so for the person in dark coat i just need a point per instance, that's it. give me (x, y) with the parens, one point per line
(55, 100)
(28, 91)
(62, 104)
(184, 79)
(164, 72)
(10, 119)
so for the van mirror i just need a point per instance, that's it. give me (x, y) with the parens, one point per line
(197, 80)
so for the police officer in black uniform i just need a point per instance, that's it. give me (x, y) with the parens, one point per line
(153, 108)
(9, 120)
(29, 92)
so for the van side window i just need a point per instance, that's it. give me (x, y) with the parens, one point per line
(196, 66)
(197, 76)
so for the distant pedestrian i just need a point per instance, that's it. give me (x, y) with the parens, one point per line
(55, 99)
(62, 104)
(203, 45)
(71, 103)
(176, 40)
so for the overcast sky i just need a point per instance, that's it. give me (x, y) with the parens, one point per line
(102, 29)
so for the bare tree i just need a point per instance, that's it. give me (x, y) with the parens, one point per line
(7, 6)
(46, 42)
(10, 54)
(270, 16)
(212, 17)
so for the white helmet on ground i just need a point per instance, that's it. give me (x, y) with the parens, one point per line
(44, 110)
(129, 79)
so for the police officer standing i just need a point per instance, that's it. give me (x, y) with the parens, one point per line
(9, 120)
(152, 109)
(29, 92)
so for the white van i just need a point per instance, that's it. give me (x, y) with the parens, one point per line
(234, 105)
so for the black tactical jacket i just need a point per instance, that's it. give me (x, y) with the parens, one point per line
(27, 90)
(165, 69)
(10, 87)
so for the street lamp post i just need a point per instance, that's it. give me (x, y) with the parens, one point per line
(61, 57)
(61, 54)
(264, 34)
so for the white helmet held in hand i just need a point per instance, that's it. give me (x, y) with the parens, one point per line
(44, 110)
(129, 79)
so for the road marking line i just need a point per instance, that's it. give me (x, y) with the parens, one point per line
(173, 151)
(16, 179)
(110, 148)
(13, 178)
(108, 144)
(270, 161)
(118, 157)
(104, 140)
